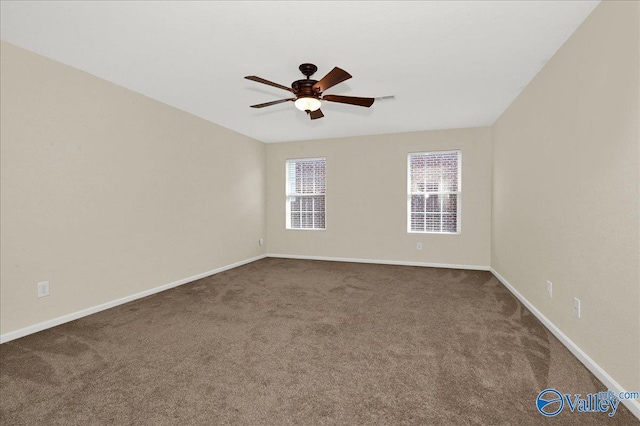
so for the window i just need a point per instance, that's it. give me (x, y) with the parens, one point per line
(306, 184)
(434, 183)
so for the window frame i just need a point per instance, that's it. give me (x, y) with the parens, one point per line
(458, 193)
(287, 196)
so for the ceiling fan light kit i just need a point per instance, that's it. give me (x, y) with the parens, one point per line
(308, 104)
(309, 93)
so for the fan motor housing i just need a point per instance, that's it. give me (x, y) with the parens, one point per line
(304, 88)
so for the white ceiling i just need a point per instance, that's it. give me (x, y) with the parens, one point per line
(449, 64)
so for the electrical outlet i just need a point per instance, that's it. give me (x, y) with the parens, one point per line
(576, 307)
(419, 246)
(43, 289)
(549, 289)
(260, 242)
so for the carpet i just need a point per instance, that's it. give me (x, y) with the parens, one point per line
(296, 342)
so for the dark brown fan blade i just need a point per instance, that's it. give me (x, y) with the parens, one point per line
(351, 100)
(266, 104)
(335, 76)
(270, 83)
(316, 114)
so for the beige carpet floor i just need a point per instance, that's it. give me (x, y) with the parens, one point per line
(293, 342)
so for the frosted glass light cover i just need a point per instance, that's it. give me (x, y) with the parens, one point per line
(308, 104)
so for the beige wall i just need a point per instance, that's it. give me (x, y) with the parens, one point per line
(107, 193)
(566, 190)
(367, 201)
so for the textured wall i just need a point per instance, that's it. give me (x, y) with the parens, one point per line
(367, 198)
(106, 193)
(566, 190)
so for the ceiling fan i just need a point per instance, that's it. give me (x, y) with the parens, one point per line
(309, 93)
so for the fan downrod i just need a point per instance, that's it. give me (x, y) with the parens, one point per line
(308, 69)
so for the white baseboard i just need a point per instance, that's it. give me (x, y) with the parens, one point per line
(381, 262)
(83, 313)
(599, 372)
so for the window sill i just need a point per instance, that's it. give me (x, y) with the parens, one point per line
(434, 233)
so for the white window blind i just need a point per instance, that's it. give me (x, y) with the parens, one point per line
(435, 192)
(306, 187)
